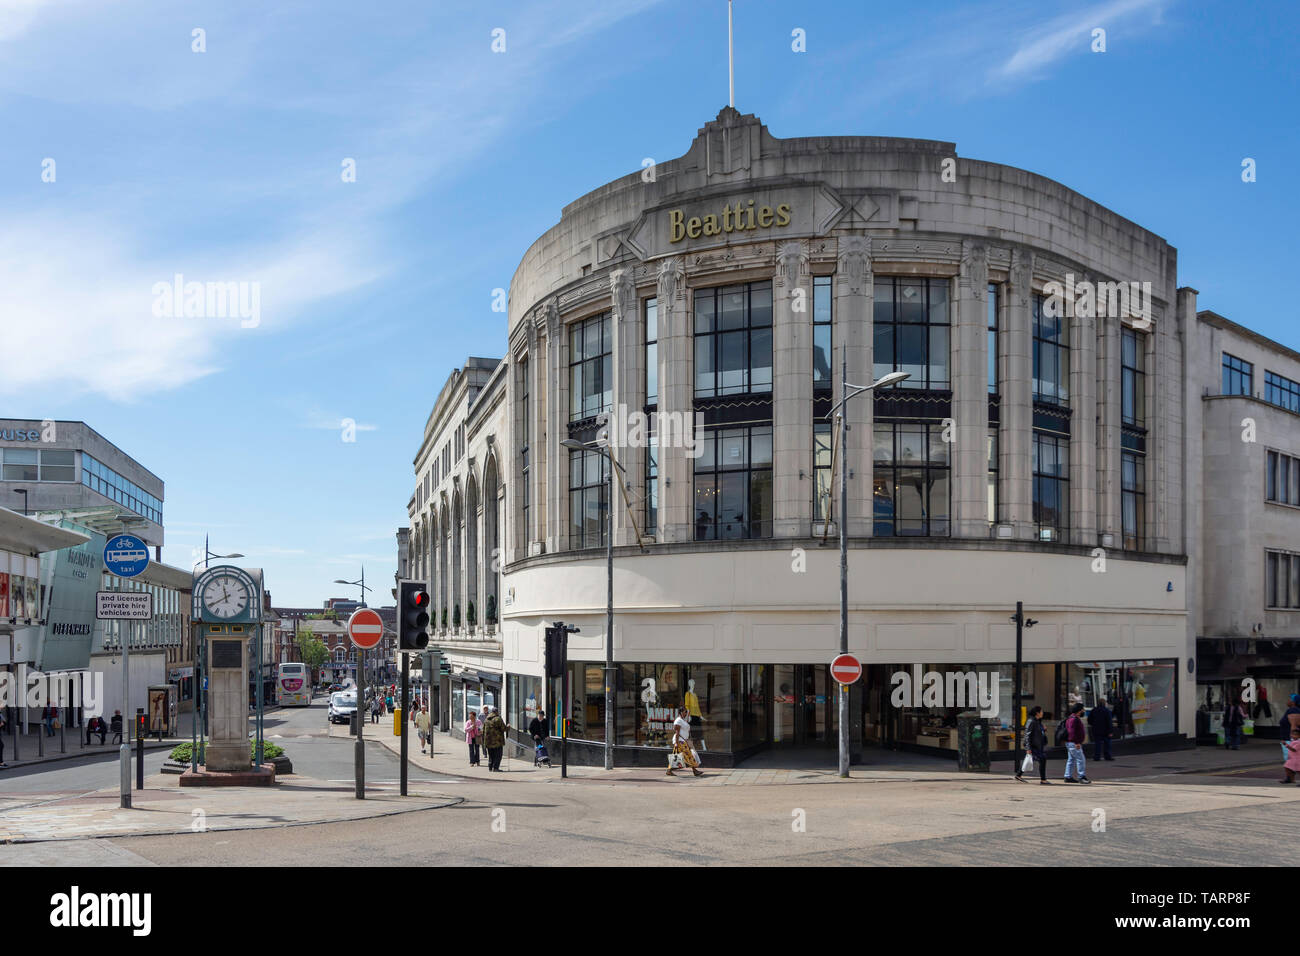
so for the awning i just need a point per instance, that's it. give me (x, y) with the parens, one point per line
(29, 536)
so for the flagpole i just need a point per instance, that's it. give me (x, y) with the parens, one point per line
(731, 58)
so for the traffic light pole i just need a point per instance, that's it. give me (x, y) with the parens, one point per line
(406, 676)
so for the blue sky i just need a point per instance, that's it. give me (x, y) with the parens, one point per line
(225, 166)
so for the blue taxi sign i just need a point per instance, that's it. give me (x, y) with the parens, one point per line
(125, 555)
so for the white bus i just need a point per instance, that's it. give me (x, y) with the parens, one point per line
(293, 685)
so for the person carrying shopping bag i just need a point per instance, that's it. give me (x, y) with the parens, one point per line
(472, 733)
(683, 754)
(1035, 747)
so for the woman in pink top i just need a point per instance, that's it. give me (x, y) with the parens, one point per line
(1293, 756)
(472, 732)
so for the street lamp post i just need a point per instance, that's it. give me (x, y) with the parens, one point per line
(359, 756)
(838, 409)
(209, 555)
(614, 466)
(1021, 623)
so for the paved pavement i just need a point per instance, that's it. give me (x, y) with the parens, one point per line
(777, 767)
(163, 807)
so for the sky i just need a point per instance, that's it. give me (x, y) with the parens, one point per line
(135, 149)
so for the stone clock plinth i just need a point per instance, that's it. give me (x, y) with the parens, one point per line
(227, 749)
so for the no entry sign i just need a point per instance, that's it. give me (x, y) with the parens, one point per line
(846, 669)
(365, 628)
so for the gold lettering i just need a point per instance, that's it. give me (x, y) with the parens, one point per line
(678, 232)
(742, 217)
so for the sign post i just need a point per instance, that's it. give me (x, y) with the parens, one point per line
(365, 630)
(126, 556)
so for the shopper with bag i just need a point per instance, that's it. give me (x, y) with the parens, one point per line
(683, 754)
(1035, 747)
(1075, 736)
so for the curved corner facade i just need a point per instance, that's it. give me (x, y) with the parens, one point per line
(701, 317)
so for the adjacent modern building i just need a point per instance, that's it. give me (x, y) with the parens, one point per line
(1243, 471)
(68, 475)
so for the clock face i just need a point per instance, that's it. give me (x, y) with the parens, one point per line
(225, 596)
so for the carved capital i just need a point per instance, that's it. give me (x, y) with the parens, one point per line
(853, 265)
(1022, 272)
(550, 316)
(671, 279)
(975, 268)
(791, 263)
(622, 293)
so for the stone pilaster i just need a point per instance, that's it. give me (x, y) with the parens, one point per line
(676, 403)
(1083, 429)
(1109, 411)
(970, 407)
(628, 353)
(552, 523)
(852, 341)
(1015, 376)
(792, 392)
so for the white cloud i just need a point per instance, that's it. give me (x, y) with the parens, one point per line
(1047, 43)
(77, 297)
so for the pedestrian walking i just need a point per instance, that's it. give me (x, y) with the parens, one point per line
(422, 726)
(539, 728)
(116, 726)
(1234, 718)
(1102, 726)
(49, 713)
(683, 754)
(1292, 763)
(4, 727)
(494, 738)
(1035, 745)
(375, 706)
(388, 704)
(473, 731)
(1075, 736)
(1290, 719)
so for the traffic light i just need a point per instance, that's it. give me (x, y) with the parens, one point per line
(557, 647)
(413, 617)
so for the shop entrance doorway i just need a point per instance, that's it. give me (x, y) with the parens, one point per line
(803, 706)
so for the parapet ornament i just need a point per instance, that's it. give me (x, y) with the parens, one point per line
(1022, 272)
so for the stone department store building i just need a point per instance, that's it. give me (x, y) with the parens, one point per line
(1038, 451)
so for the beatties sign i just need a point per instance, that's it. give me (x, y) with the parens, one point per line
(740, 219)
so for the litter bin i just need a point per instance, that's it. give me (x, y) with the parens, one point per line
(972, 741)
(397, 721)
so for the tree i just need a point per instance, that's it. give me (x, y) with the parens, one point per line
(444, 617)
(491, 609)
(455, 616)
(471, 615)
(311, 649)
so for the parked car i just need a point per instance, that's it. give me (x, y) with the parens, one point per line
(342, 707)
